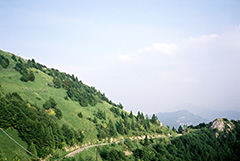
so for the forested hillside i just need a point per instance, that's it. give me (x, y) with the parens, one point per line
(52, 113)
(218, 140)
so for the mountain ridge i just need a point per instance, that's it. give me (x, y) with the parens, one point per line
(180, 117)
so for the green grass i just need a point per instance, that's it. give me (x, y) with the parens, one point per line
(10, 149)
(38, 92)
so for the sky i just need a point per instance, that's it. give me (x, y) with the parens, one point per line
(150, 55)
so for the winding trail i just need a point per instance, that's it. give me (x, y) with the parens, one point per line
(90, 146)
(117, 142)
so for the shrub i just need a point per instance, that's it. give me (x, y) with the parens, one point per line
(80, 115)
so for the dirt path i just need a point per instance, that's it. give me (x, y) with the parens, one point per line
(90, 146)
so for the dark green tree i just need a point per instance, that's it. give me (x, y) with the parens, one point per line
(133, 125)
(31, 76)
(14, 58)
(146, 141)
(24, 78)
(138, 116)
(120, 106)
(154, 119)
(131, 115)
(173, 129)
(180, 129)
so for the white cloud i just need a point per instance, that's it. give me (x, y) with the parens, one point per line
(156, 48)
(204, 38)
(172, 53)
(160, 48)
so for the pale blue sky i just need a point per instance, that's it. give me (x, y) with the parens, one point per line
(150, 55)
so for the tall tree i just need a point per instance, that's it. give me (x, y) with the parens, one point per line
(146, 141)
(131, 115)
(180, 129)
(154, 119)
(133, 125)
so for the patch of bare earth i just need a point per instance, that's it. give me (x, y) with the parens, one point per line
(128, 152)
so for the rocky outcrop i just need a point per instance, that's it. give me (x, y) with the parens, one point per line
(222, 126)
(218, 124)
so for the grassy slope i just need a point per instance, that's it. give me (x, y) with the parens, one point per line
(38, 92)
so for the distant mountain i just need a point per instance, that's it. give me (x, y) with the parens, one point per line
(210, 113)
(180, 117)
(213, 114)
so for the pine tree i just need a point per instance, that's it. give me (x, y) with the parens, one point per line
(154, 119)
(180, 129)
(120, 106)
(173, 129)
(14, 58)
(138, 116)
(142, 116)
(133, 125)
(146, 141)
(131, 115)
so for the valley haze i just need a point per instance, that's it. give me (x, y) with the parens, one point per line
(151, 56)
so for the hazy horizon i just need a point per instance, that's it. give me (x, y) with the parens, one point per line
(152, 56)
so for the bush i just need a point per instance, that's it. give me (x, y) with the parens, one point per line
(31, 76)
(80, 115)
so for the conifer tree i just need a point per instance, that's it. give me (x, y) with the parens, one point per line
(146, 141)
(173, 129)
(133, 125)
(131, 115)
(180, 129)
(154, 119)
